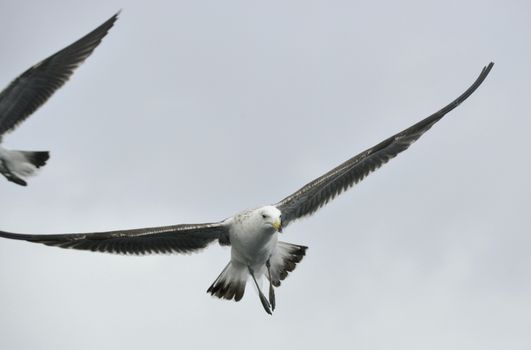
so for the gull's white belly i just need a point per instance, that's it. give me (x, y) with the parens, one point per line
(252, 247)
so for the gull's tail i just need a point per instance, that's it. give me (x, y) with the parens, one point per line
(17, 165)
(230, 283)
(284, 260)
(37, 158)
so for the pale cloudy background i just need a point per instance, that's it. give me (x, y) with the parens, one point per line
(192, 111)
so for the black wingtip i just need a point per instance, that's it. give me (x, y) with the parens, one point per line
(487, 68)
(479, 80)
(110, 22)
(114, 17)
(8, 235)
(101, 31)
(482, 76)
(484, 72)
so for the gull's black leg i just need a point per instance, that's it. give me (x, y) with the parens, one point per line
(272, 299)
(263, 299)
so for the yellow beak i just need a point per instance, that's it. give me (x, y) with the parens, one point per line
(278, 225)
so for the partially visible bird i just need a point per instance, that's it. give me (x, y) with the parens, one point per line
(253, 234)
(32, 89)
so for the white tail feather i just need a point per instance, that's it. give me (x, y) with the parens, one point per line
(231, 282)
(284, 260)
(17, 165)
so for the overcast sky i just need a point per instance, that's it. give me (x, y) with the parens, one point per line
(192, 111)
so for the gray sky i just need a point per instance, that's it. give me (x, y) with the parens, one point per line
(192, 111)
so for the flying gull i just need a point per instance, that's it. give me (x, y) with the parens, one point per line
(30, 90)
(253, 234)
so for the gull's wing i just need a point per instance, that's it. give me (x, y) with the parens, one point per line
(33, 87)
(317, 193)
(166, 239)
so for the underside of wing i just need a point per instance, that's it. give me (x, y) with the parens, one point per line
(166, 239)
(33, 87)
(320, 191)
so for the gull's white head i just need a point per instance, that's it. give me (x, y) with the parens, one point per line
(270, 216)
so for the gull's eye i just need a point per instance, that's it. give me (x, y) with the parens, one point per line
(264, 216)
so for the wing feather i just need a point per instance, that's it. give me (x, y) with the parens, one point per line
(36, 85)
(320, 191)
(154, 240)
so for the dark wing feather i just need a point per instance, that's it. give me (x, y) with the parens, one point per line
(166, 239)
(36, 85)
(320, 191)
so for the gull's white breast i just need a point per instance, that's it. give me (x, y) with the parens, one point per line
(252, 242)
